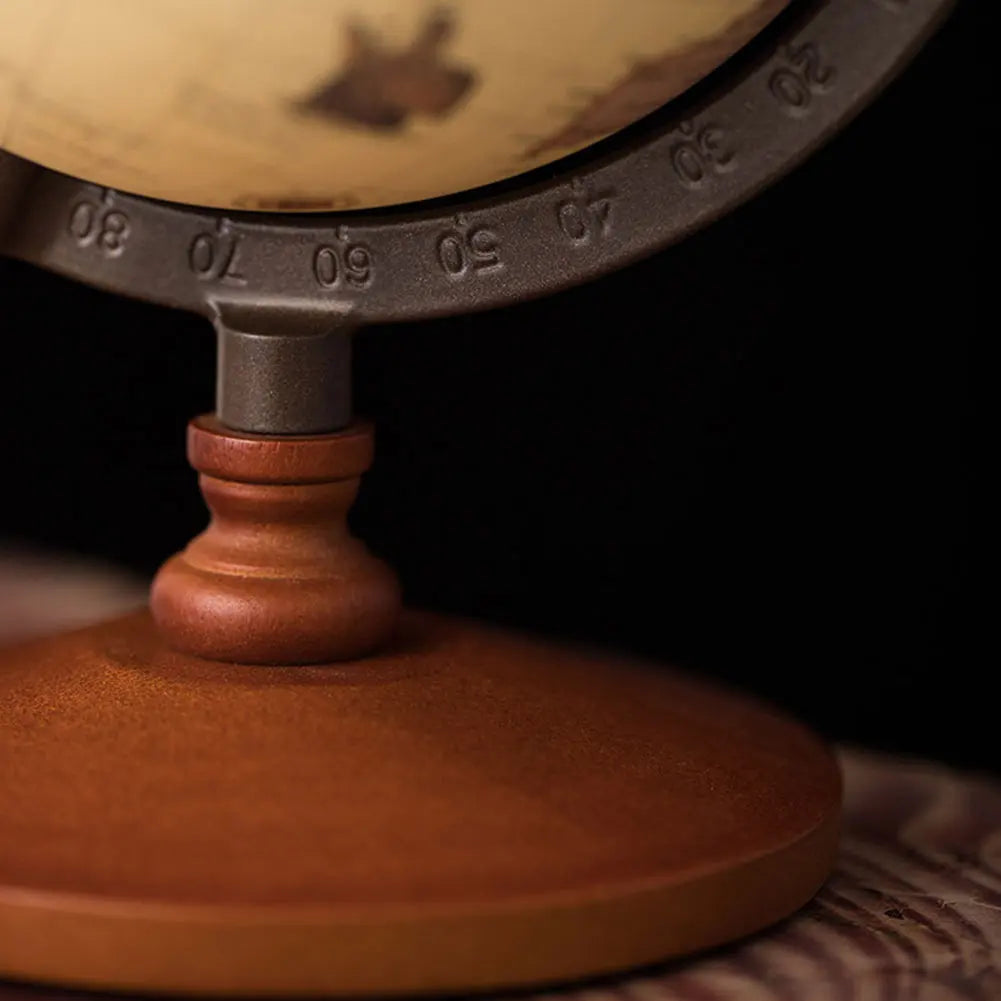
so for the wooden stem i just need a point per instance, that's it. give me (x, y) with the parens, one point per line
(276, 578)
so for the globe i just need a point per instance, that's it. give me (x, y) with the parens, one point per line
(327, 105)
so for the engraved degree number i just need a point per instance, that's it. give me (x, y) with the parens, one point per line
(213, 257)
(468, 250)
(336, 266)
(585, 216)
(804, 76)
(95, 225)
(699, 152)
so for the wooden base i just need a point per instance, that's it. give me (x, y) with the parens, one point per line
(465, 810)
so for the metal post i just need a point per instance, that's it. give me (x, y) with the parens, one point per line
(293, 382)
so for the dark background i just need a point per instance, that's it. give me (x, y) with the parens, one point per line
(746, 455)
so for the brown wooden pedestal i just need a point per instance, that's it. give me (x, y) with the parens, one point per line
(462, 809)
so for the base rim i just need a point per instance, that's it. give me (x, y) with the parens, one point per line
(310, 950)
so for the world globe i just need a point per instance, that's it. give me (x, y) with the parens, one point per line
(330, 105)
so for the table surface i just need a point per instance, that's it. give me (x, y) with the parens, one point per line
(912, 913)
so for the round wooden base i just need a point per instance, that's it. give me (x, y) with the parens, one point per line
(467, 810)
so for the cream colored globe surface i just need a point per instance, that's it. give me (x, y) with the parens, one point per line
(320, 105)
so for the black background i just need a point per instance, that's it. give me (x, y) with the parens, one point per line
(746, 455)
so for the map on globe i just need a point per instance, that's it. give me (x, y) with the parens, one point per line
(320, 105)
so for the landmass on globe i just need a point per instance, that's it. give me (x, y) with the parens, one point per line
(332, 105)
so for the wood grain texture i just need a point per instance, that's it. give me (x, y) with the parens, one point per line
(912, 913)
(465, 809)
(277, 577)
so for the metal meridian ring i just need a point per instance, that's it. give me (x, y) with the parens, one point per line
(751, 122)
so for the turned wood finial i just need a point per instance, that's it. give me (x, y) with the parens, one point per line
(276, 578)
